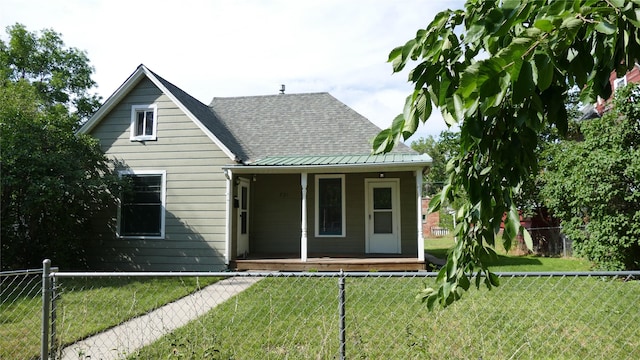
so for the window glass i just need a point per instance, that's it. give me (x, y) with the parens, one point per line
(330, 206)
(381, 198)
(141, 207)
(143, 122)
(619, 82)
(244, 213)
(383, 222)
(140, 124)
(148, 126)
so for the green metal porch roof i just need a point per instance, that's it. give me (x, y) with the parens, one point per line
(327, 160)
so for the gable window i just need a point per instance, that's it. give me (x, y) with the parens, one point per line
(330, 206)
(144, 122)
(141, 212)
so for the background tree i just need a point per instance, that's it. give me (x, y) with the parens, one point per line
(593, 184)
(441, 150)
(60, 75)
(52, 180)
(502, 70)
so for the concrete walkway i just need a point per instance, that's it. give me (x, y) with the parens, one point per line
(124, 339)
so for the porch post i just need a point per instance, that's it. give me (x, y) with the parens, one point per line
(419, 199)
(303, 237)
(227, 229)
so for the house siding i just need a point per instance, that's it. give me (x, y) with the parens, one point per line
(355, 240)
(276, 214)
(195, 190)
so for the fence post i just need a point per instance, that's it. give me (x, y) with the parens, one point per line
(52, 343)
(46, 302)
(341, 306)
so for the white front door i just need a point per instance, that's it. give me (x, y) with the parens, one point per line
(243, 218)
(383, 216)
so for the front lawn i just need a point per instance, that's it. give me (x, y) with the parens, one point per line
(85, 307)
(512, 263)
(297, 318)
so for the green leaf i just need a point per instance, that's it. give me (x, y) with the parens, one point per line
(570, 23)
(448, 118)
(544, 24)
(511, 227)
(398, 124)
(525, 84)
(423, 106)
(605, 28)
(459, 107)
(431, 300)
(395, 53)
(618, 3)
(545, 71)
(493, 278)
(469, 81)
(425, 293)
(464, 282)
(407, 49)
(527, 238)
(434, 204)
(383, 142)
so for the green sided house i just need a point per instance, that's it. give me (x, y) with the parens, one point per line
(281, 182)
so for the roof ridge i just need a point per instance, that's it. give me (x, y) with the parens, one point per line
(268, 95)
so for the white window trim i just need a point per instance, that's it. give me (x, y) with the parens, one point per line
(163, 196)
(146, 107)
(317, 206)
(619, 82)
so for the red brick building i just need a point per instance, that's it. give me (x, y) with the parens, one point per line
(430, 221)
(633, 76)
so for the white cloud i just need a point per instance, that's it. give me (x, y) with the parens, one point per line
(245, 47)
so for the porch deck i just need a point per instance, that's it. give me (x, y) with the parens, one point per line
(328, 263)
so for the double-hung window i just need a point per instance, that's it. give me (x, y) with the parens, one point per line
(142, 205)
(330, 206)
(144, 122)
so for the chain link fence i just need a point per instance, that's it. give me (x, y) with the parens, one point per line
(317, 316)
(20, 313)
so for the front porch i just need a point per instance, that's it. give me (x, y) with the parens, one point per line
(326, 215)
(328, 263)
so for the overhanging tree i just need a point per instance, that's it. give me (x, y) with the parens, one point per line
(53, 181)
(502, 70)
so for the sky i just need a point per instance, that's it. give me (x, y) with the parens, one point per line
(215, 48)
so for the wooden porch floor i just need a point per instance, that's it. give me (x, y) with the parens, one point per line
(326, 263)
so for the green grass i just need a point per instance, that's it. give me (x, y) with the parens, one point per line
(512, 263)
(86, 307)
(438, 247)
(296, 318)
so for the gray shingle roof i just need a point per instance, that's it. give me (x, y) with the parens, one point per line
(206, 116)
(296, 125)
(255, 128)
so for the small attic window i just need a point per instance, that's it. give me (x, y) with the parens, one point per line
(144, 122)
